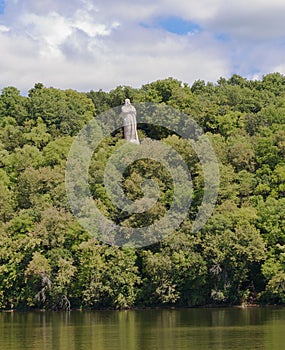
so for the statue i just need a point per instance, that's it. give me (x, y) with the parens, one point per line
(130, 122)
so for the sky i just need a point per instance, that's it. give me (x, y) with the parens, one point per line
(101, 44)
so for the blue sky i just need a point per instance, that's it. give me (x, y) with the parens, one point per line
(174, 25)
(1, 6)
(100, 44)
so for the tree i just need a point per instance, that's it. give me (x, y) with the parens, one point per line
(56, 152)
(48, 260)
(63, 112)
(107, 275)
(274, 82)
(160, 90)
(175, 273)
(6, 198)
(12, 104)
(232, 247)
(241, 152)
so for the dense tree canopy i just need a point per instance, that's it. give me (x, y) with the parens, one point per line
(47, 260)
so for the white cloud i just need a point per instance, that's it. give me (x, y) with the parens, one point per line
(50, 31)
(108, 64)
(88, 44)
(3, 29)
(251, 20)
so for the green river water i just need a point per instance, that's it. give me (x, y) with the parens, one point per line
(165, 329)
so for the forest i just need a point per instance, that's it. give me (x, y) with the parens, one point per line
(49, 261)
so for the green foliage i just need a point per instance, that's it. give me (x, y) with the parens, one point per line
(47, 260)
(63, 112)
(232, 247)
(13, 105)
(175, 273)
(107, 276)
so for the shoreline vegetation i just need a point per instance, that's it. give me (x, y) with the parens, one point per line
(48, 261)
(161, 307)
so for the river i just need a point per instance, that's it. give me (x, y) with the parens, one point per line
(163, 329)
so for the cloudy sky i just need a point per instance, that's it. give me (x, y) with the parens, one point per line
(100, 44)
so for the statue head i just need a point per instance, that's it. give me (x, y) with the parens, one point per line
(127, 101)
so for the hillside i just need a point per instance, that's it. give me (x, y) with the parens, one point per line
(47, 260)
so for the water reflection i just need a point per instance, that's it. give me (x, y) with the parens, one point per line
(219, 329)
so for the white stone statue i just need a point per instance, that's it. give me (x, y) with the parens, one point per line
(130, 122)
